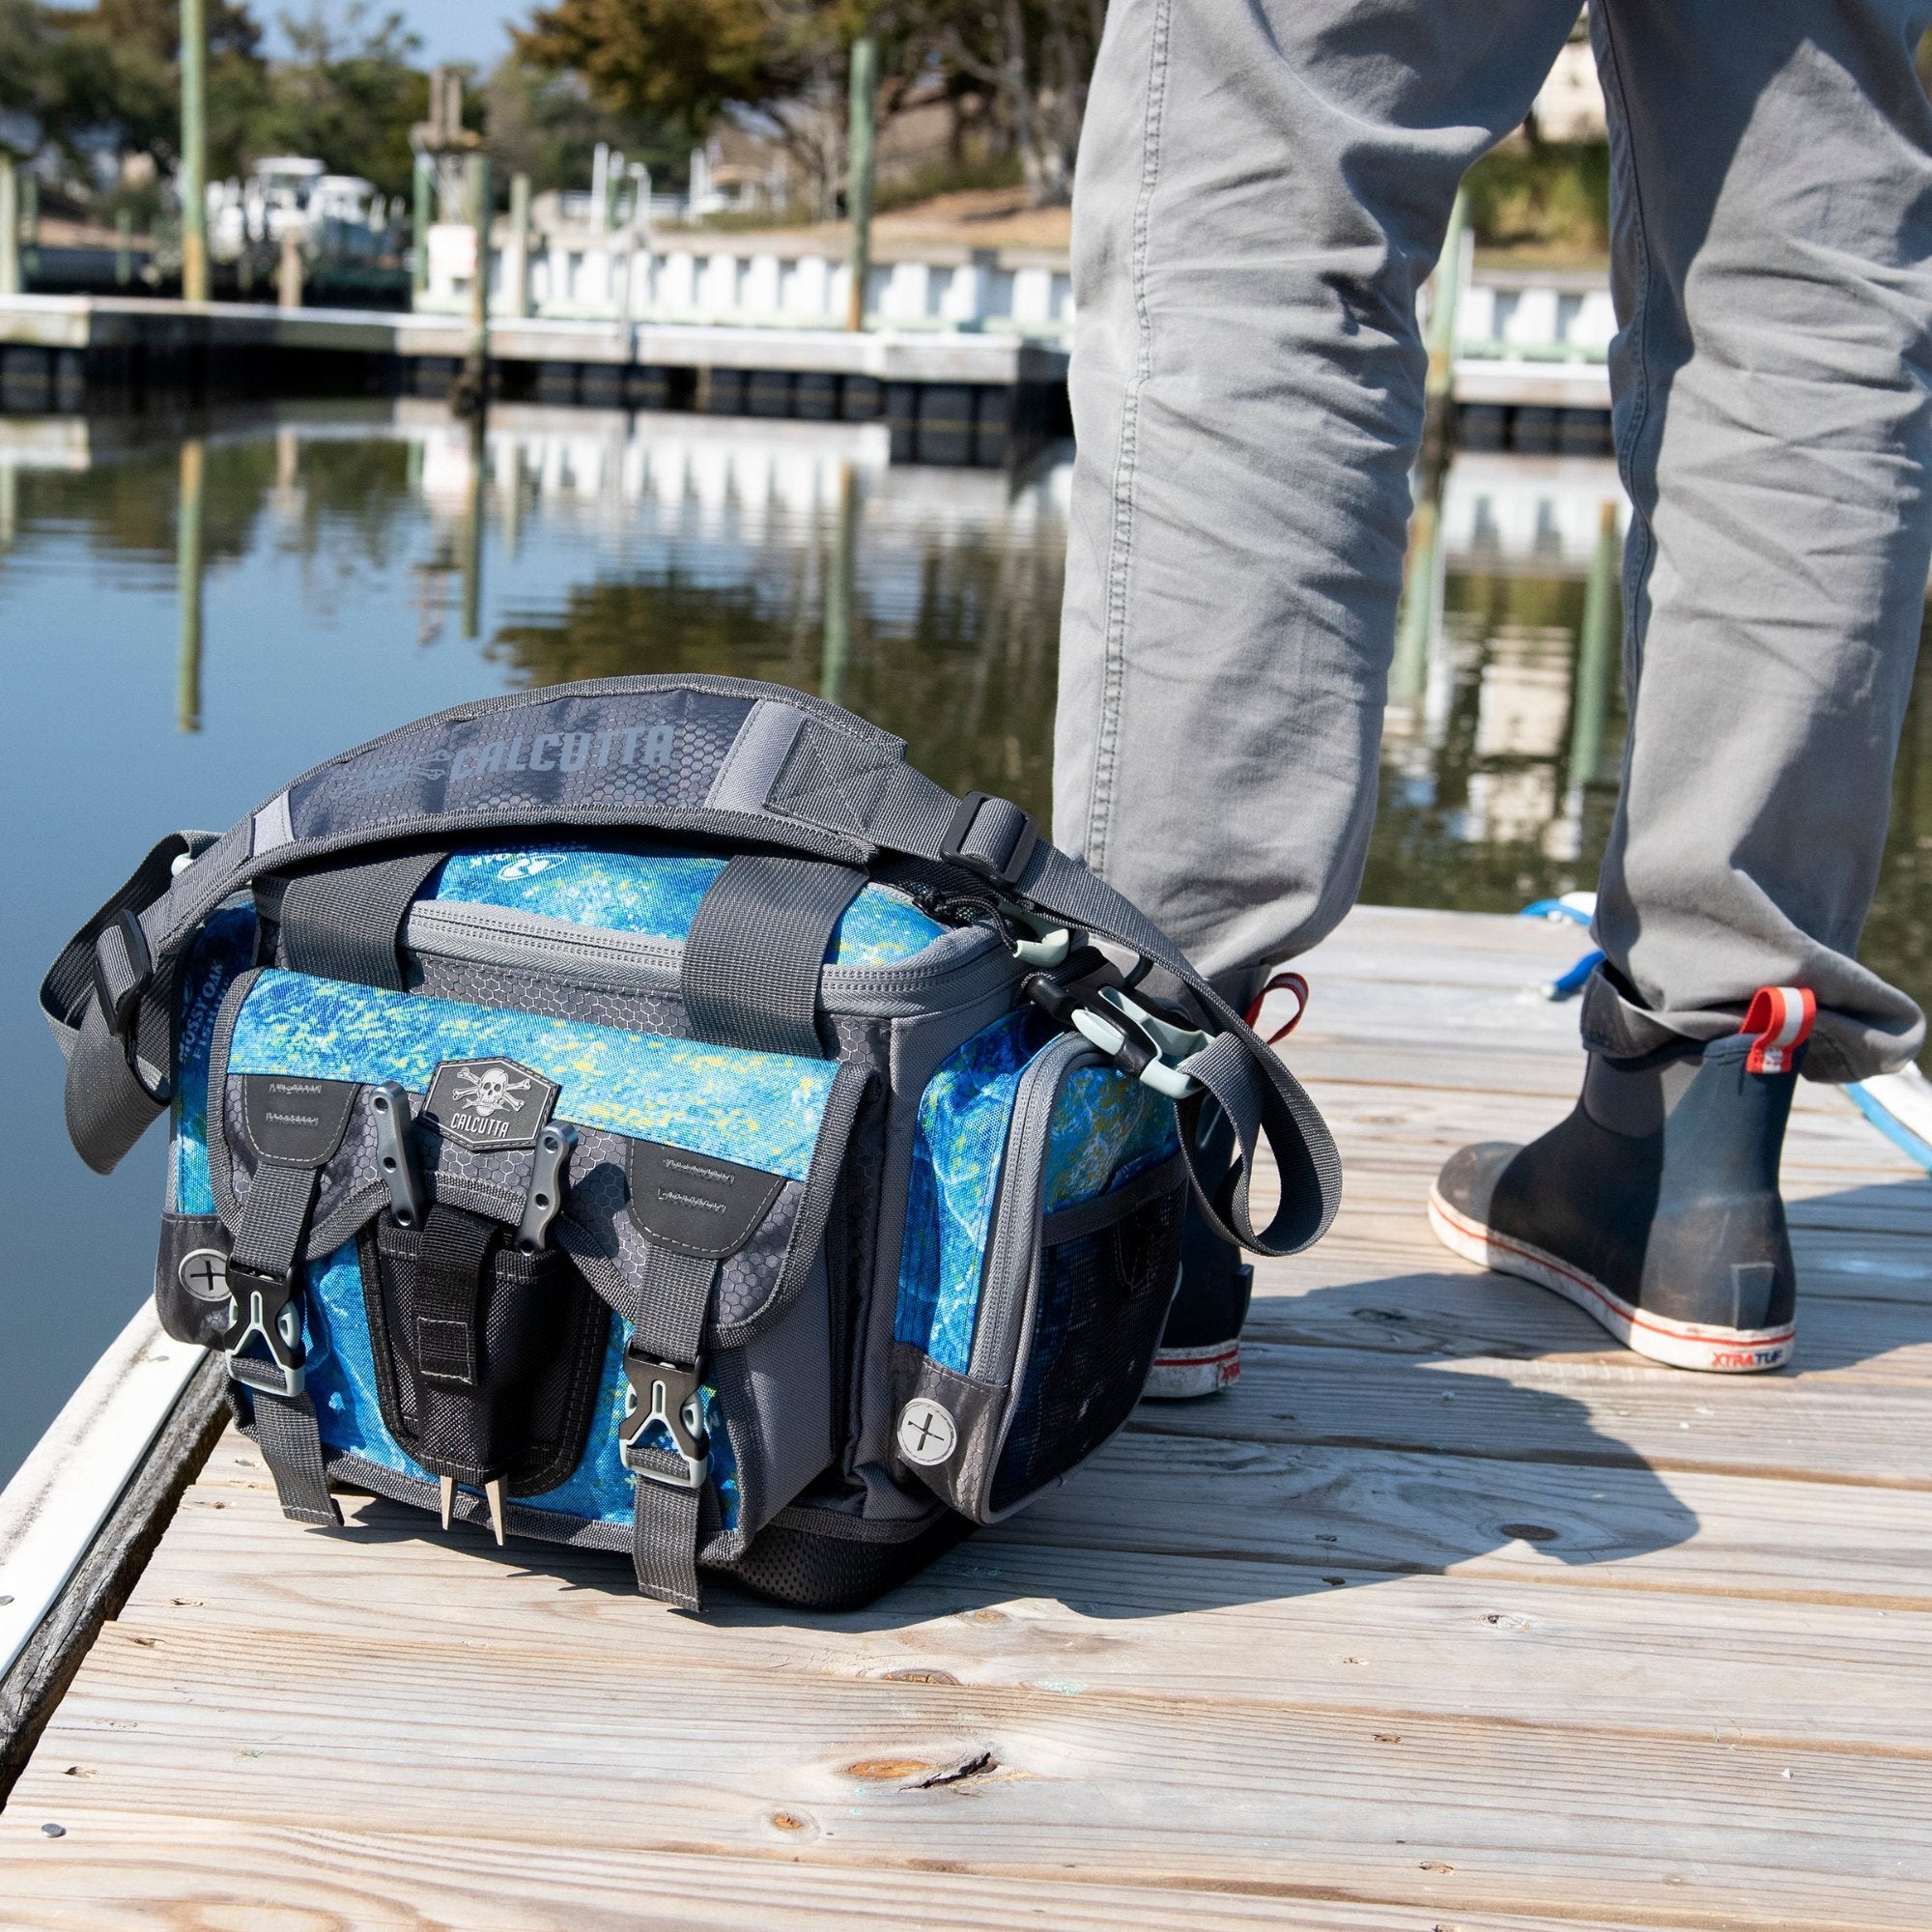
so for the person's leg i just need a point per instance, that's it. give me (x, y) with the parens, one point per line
(1772, 220)
(1262, 185)
(1774, 274)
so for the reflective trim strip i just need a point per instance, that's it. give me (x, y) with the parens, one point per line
(272, 827)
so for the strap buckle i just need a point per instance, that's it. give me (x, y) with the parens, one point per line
(124, 968)
(1142, 1044)
(1088, 993)
(262, 1307)
(1022, 835)
(666, 1393)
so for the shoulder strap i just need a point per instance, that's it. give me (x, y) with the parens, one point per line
(723, 758)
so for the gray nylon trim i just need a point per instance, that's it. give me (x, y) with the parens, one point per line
(1104, 1210)
(957, 966)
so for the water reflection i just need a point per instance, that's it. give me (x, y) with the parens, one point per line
(1504, 725)
(194, 609)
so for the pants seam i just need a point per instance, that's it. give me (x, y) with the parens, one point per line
(1112, 675)
(1640, 561)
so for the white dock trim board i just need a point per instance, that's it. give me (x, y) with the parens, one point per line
(64, 1491)
(1450, 1614)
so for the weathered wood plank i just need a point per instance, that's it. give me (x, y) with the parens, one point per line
(1600, 1413)
(1380, 1512)
(1330, 1298)
(1070, 1621)
(1000, 1782)
(143, 1868)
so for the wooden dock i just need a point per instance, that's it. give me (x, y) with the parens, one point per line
(71, 353)
(1449, 1615)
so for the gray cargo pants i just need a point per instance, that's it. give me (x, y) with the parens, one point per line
(1262, 185)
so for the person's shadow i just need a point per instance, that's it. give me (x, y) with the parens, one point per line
(1375, 1432)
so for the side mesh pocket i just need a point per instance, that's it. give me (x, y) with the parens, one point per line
(1041, 1250)
(1102, 1301)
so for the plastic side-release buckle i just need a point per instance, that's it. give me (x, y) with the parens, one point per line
(1779, 1019)
(668, 1393)
(1087, 992)
(123, 968)
(1007, 865)
(1142, 1044)
(262, 1308)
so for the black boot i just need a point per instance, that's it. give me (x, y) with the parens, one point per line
(1653, 1206)
(1200, 1348)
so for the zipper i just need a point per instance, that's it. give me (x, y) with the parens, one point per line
(1007, 1294)
(627, 961)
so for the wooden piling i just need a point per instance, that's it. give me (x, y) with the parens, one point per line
(194, 150)
(858, 169)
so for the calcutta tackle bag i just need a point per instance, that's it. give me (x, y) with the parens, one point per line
(650, 1114)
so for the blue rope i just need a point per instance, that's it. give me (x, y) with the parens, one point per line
(1555, 909)
(1889, 1125)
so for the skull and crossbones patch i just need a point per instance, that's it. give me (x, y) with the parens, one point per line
(489, 1104)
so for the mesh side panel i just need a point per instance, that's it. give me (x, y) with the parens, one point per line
(543, 1345)
(812, 1571)
(1103, 1300)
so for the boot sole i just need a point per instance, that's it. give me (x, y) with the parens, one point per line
(1681, 1345)
(1181, 1375)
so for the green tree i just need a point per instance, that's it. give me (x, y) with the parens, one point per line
(115, 69)
(682, 62)
(349, 94)
(1033, 58)
(543, 123)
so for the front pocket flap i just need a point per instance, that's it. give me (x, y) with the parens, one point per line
(696, 1204)
(295, 1121)
(774, 1125)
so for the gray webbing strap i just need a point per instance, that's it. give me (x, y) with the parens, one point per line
(274, 1218)
(664, 1540)
(869, 792)
(267, 1241)
(821, 783)
(667, 1326)
(291, 1444)
(346, 923)
(752, 958)
(116, 1081)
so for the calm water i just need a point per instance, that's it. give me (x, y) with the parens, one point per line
(358, 568)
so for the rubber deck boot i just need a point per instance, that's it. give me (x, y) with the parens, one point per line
(1653, 1206)
(1200, 1351)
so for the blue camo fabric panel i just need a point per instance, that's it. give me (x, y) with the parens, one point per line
(1106, 1129)
(762, 1110)
(223, 951)
(656, 893)
(341, 1381)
